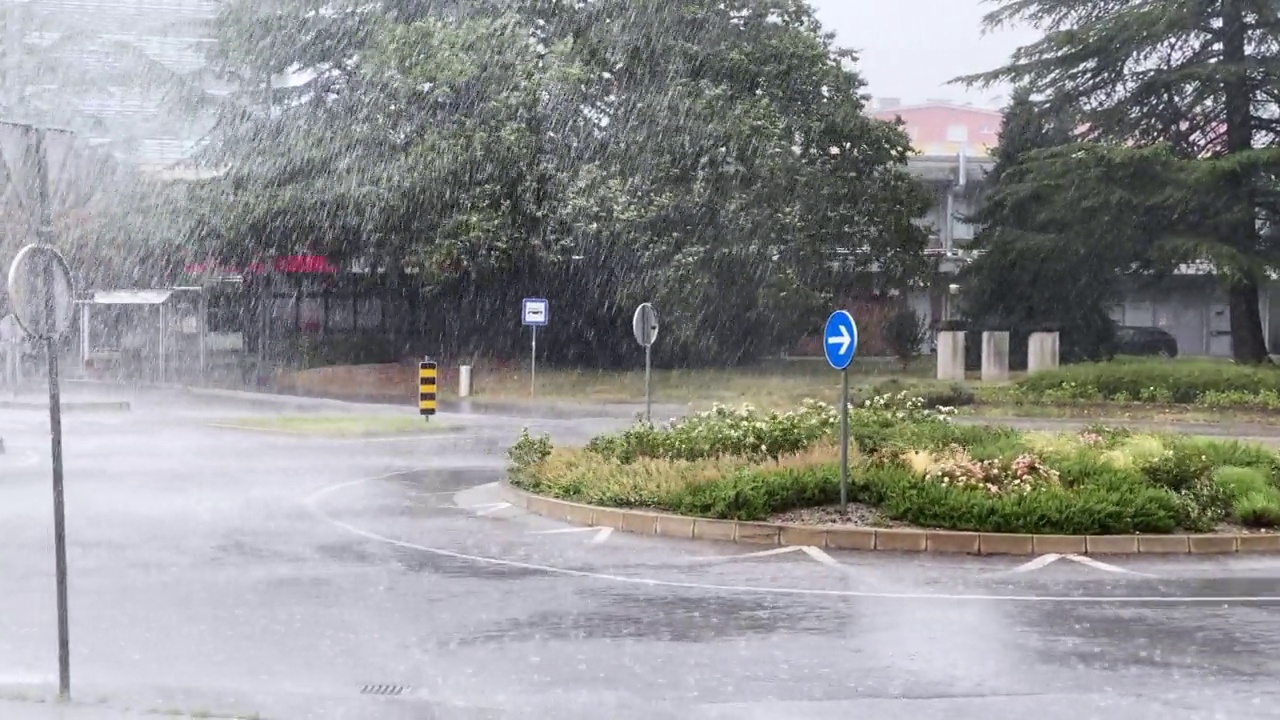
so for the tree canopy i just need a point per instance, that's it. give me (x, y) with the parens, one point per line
(714, 158)
(1176, 99)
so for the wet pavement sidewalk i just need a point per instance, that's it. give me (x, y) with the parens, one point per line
(229, 573)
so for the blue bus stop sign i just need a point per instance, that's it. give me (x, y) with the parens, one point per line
(840, 339)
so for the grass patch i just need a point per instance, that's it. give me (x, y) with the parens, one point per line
(339, 425)
(914, 466)
(1205, 382)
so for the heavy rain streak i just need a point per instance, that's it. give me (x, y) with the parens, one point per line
(623, 359)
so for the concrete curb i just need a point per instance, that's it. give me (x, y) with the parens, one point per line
(897, 540)
(121, 406)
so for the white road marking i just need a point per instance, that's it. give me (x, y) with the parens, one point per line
(489, 508)
(601, 533)
(312, 502)
(1099, 565)
(1085, 560)
(820, 555)
(746, 556)
(1037, 563)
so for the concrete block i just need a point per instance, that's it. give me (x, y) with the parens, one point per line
(851, 538)
(1060, 544)
(1005, 544)
(1260, 543)
(722, 530)
(901, 540)
(607, 518)
(1213, 544)
(1043, 352)
(575, 514)
(1164, 544)
(951, 542)
(674, 526)
(951, 355)
(1111, 544)
(758, 533)
(798, 535)
(995, 356)
(641, 523)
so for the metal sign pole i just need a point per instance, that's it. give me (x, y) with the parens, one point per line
(55, 417)
(648, 397)
(844, 441)
(533, 362)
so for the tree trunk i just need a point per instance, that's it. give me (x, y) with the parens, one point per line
(1248, 344)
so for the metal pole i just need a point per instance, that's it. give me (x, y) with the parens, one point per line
(844, 441)
(533, 362)
(648, 397)
(55, 424)
(163, 320)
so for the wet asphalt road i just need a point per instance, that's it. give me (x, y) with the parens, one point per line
(219, 572)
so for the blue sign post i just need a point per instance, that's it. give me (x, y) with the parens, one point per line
(534, 313)
(840, 344)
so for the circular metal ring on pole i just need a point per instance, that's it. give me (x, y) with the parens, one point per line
(41, 292)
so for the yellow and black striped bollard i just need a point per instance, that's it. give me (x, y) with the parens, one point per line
(427, 389)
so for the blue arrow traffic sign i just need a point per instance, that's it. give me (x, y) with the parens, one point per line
(840, 339)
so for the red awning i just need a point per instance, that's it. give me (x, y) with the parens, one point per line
(300, 264)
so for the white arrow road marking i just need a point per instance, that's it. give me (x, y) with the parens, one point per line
(602, 533)
(489, 508)
(1037, 563)
(1099, 565)
(814, 553)
(1085, 560)
(819, 555)
(744, 556)
(843, 339)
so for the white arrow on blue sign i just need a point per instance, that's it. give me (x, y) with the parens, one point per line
(840, 339)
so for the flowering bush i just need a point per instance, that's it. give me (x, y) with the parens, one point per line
(723, 431)
(901, 407)
(998, 476)
(750, 433)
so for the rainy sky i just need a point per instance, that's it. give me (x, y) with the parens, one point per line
(911, 48)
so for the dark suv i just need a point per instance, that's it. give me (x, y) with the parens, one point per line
(1135, 340)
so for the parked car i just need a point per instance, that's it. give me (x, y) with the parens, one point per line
(1137, 340)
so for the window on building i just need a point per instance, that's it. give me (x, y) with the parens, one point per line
(957, 133)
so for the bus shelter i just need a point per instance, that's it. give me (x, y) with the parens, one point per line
(150, 335)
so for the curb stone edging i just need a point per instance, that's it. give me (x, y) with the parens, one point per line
(644, 522)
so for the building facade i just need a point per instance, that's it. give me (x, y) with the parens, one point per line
(954, 145)
(127, 76)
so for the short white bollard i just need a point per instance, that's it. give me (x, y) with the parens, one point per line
(464, 381)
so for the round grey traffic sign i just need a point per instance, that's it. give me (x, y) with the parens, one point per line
(644, 324)
(40, 292)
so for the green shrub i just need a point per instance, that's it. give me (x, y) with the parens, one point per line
(755, 494)
(1141, 380)
(914, 466)
(1233, 453)
(1091, 510)
(1265, 399)
(1260, 510)
(1242, 481)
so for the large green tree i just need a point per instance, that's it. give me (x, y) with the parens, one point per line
(711, 157)
(1201, 78)
(1030, 272)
